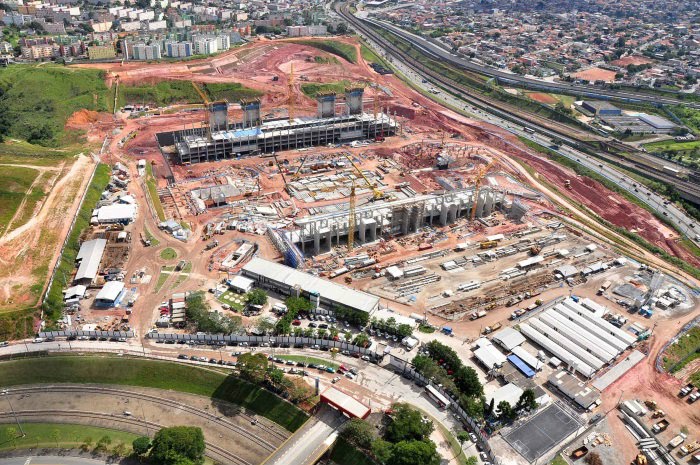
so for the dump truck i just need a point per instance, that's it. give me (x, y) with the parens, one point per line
(660, 426)
(689, 448)
(578, 453)
(677, 440)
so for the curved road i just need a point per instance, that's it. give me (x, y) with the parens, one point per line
(681, 221)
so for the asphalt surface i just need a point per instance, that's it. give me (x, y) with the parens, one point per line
(50, 460)
(561, 87)
(684, 223)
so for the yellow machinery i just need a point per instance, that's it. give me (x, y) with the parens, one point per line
(351, 218)
(488, 244)
(201, 93)
(477, 183)
(290, 88)
(297, 174)
(378, 195)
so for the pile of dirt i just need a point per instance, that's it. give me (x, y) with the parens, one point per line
(82, 119)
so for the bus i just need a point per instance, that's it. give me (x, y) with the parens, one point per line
(438, 398)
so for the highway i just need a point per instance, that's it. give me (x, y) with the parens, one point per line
(682, 222)
(436, 50)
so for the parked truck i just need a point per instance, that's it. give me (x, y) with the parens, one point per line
(677, 440)
(578, 453)
(477, 315)
(687, 389)
(689, 448)
(660, 426)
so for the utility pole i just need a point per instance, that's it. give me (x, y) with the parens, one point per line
(4, 393)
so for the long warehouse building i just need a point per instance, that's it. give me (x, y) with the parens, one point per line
(289, 281)
(572, 333)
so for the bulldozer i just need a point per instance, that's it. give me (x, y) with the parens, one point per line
(651, 404)
(641, 460)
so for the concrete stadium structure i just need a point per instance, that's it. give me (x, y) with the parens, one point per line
(319, 233)
(221, 140)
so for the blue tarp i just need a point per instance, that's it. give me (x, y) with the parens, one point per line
(522, 366)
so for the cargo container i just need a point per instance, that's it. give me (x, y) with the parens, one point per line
(677, 441)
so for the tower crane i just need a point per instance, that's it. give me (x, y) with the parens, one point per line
(477, 184)
(351, 218)
(377, 194)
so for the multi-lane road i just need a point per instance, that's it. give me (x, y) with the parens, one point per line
(432, 48)
(679, 219)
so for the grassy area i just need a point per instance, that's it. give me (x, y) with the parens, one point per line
(23, 153)
(307, 360)
(326, 60)
(14, 184)
(227, 298)
(153, 192)
(168, 253)
(687, 153)
(165, 272)
(559, 460)
(312, 89)
(689, 116)
(427, 329)
(36, 195)
(166, 93)
(683, 351)
(54, 298)
(187, 268)
(231, 91)
(369, 56)
(155, 374)
(65, 436)
(40, 117)
(150, 237)
(344, 453)
(16, 324)
(343, 50)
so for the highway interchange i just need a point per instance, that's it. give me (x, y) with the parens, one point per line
(681, 221)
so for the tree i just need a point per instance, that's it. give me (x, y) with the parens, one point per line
(141, 445)
(264, 324)
(382, 450)
(256, 297)
(361, 340)
(527, 400)
(359, 433)
(594, 459)
(120, 450)
(414, 453)
(462, 437)
(472, 460)
(407, 424)
(178, 445)
(253, 366)
(505, 411)
(467, 381)
(55, 435)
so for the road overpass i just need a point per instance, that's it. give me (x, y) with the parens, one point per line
(311, 441)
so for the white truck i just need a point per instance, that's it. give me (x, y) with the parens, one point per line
(677, 440)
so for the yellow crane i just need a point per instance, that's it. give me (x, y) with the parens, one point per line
(375, 192)
(477, 183)
(201, 93)
(290, 87)
(351, 218)
(297, 173)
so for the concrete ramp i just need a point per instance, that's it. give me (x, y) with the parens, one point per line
(311, 441)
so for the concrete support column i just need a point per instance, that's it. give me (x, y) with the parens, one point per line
(317, 243)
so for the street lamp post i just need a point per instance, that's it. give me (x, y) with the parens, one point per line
(4, 393)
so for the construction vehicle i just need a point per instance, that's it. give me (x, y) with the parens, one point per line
(212, 245)
(297, 174)
(658, 414)
(535, 250)
(660, 426)
(488, 244)
(567, 184)
(641, 460)
(689, 448)
(377, 194)
(477, 315)
(677, 440)
(578, 453)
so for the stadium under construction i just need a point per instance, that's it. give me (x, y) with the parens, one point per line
(219, 140)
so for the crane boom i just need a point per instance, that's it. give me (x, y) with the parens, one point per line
(375, 192)
(477, 184)
(201, 93)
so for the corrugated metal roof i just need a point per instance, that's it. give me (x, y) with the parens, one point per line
(110, 291)
(509, 338)
(309, 283)
(490, 356)
(90, 255)
(349, 405)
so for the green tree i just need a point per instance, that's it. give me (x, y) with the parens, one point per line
(414, 453)
(471, 460)
(178, 445)
(505, 411)
(253, 366)
(594, 459)
(382, 450)
(359, 433)
(55, 435)
(141, 445)
(361, 340)
(407, 424)
(256, 297)
(527, 400)
(462, 437)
